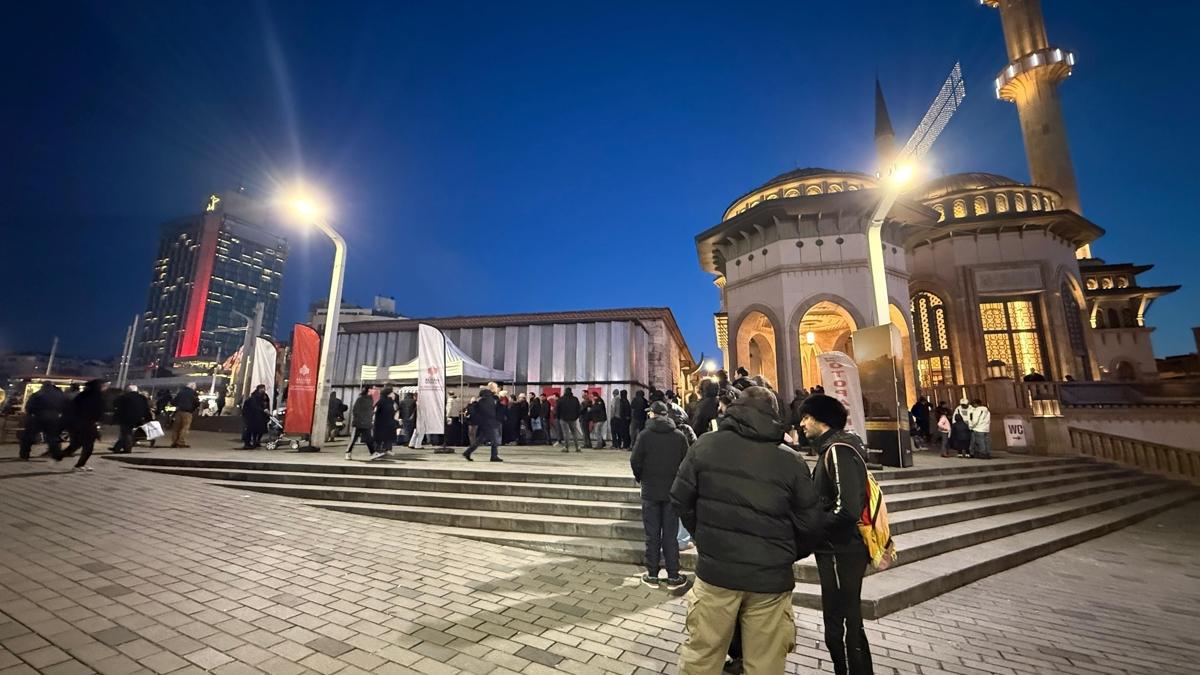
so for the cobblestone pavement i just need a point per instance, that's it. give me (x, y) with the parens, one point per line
(123, 571)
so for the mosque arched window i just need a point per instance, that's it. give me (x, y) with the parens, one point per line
(1035, 202)
(1092, 284)
(935, 360)
(960, 208)
(1106, 283)
(941, 211)
(852, 187)
(981, 205)
(1019, 202)
(1001, 203)
(754, 203)
(1048, 203)
(792, 192)
(1122, 282)
(813, 190)
(772, 196)
(835, 188)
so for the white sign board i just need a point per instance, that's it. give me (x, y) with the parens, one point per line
(1015, 432)
(839, 376)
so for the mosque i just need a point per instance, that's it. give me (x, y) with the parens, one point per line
(987, 276)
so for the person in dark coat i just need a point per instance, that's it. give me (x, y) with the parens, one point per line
(256, 410)
(637, 414)
(598, 414)
(742, 381)
(43, 415)
(336, 413)
(750, 503)
(187, 402)
(626, 419)
(408, 417)
(385, 423)
(361, 421)
(567, 410)
(83, 414)
(960, 430)
(655, 460)
(130, 411)
(707, 408)
(537, 425)
(921, 411)
(840, 480)
(585, 418)
(487, 422)
(520, 410)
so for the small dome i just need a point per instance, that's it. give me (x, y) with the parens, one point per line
(810, 172)
(959, 182)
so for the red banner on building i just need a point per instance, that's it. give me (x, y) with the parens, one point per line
(302, 381)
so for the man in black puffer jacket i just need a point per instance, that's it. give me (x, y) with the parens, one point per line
(659, 450)
(749, 502)
(484, 415)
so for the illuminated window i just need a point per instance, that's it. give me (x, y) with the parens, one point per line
(754, 203)
(1106, 283)
(792, 192)
(1091, 284)
(813, 190)
(1122, 282)
(835, 188)
(852, 187)
(941, 211)
(1035, 203)
(960, 208)
(772, 196)
(1012, 334)
(1001, 204)
(934, 358)
(981, 206)
(1019, 202)
(1049, 204)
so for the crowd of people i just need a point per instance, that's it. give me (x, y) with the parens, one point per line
(727, 471)
(964, 431)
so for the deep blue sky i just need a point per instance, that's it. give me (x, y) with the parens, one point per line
(496, 157)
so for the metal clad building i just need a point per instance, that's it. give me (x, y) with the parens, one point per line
(608, 348)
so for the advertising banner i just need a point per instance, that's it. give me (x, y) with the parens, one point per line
(302, 380)
(431, 380)
(839, 376)
(878, 351)
(263, 369)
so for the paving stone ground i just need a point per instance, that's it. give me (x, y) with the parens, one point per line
(123, 571)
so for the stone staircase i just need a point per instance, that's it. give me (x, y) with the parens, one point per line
(953, 525)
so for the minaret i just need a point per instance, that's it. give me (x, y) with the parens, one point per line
(885, 138)
(1030, 80)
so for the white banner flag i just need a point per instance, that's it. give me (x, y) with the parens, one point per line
(263, 368)
(431, 381)
(839, 376)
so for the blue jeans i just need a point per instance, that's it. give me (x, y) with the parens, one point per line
(684, 537)
(662, 527)
(981, 444)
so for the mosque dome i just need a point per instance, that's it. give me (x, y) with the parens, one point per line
(960, 182)
(804, 182)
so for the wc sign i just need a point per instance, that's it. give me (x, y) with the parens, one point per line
(1015, 432)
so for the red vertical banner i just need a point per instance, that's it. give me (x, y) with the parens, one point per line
(302, 381)
(193, 323)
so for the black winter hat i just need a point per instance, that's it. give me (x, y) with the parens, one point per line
(826, 410)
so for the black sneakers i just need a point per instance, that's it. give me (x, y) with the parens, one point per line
(650, 581)
(679, 585)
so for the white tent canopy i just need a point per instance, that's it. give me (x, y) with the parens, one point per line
(458, 365)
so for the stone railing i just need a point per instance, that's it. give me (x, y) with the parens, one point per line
(1037, 399)
(1179, 463)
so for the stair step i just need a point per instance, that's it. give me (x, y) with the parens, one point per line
(916, 582)
(576, 508)
(915, 500)
(614, 495)
(905, 484)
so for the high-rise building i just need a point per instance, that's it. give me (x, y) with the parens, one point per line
(210, 265)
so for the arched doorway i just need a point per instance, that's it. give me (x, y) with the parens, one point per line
(756, 351)
(1125, 371)
(825, 327)
(910, 387)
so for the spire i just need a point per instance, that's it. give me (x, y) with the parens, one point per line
(885, 138)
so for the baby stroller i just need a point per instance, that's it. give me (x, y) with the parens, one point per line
(275, 434)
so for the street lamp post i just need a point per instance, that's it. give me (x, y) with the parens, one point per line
(329, 339)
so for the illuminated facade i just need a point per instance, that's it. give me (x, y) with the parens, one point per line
(210, 265)
(981, 269)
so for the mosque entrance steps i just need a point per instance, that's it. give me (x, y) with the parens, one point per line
(954, 524)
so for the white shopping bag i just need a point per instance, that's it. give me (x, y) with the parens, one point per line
(152, 430)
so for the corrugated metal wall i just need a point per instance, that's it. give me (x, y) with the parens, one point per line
(558, 354)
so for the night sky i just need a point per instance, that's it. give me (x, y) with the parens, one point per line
(502, 157)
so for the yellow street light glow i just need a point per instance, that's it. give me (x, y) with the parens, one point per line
(710, 367)
(901, 174)
(810, 337)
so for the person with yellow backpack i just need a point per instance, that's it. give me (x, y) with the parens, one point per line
(844, 487)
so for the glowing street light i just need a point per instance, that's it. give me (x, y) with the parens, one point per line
(710, 367)
(310, 210)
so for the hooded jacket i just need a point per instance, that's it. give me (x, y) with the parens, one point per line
(598, 412)
(748, 500)
(841, 482)
(360, 415)
(131, 409)
(567, 408)
(659, 450)
(638, 407)
(485, 414)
